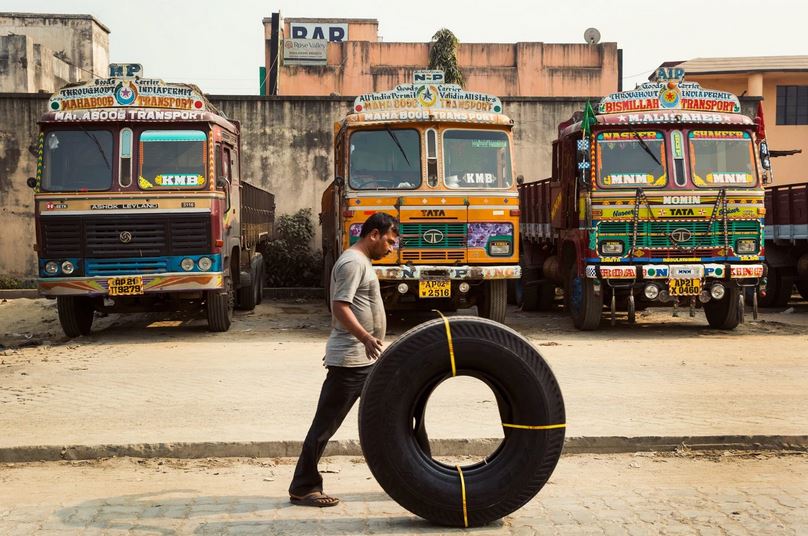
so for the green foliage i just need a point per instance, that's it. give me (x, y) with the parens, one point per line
(288, 258)
(8, 282)
(443, 56)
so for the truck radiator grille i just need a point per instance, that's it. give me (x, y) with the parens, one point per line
(125, 236)
(656, 234)
(417, 235)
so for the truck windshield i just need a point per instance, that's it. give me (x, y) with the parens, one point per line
(476, 159)
(388, 159)
(77, 160)
(631, 160)
(722, 158)
(172, 159)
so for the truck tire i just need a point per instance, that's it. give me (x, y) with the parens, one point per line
(494, 301)
(530, 291)
(219, 305)
(802, 288)
(526, 392)
(259, 290)
(778, 289)
(75, 315)
(724, 313)
(585, 306)
(248, 294)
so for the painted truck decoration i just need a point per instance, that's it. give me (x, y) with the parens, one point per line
(656, 199)
(439, 159)
(140, 204)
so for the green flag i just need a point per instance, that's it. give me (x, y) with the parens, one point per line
(588, 120)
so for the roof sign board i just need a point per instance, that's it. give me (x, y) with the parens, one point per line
(335, 32)
(305, 51)
(428, 96)
(670, 93)
(127, 93)
(432, 76)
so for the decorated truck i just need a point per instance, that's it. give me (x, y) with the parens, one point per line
(140, 204)
(439, 159)
(656, 198)
(786, 243)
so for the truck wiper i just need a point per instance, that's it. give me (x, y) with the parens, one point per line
(400, 148)
(645, 147)
(100, 149)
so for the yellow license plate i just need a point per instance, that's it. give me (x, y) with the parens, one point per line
(684, 287)
(435, 288)
(125, 286)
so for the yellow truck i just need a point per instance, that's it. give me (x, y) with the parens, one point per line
(440, 160)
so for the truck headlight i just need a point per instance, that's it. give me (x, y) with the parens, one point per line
(746, 246)
(187, 264)
(499, 247)
(52, 268)
(611, 247)
(68, 268)
(204, 263)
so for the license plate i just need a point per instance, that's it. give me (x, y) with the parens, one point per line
(125, 286)
(684, 287)
(434, 288)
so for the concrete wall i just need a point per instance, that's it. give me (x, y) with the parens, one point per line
(287, 149)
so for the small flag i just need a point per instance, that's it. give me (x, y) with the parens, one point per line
(760, 126)
(588, 120)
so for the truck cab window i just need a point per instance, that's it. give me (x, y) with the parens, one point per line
(77, 160)
(172, 159)
(477, 159)
(631, 159)
(385, 159)
(722, 158)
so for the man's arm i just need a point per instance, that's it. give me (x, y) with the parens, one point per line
(342, 312)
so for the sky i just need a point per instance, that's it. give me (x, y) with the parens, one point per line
(219, 45)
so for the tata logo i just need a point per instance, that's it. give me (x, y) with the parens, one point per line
(433, 236)
(125, 237)
(433, 213)
(680, 235)
(682, 212)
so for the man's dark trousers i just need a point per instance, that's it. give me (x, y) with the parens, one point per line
(341, 389)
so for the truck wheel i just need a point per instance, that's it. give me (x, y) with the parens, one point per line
(75, 314)
(584, 305)
(546, 296)
(220, 304)
(530, 290)
(259, 287)
(248, 294)
(778, 289)
(494, 301)
(527, 395)
(724, 313)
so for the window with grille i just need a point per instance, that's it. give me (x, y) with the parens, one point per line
(792, 105)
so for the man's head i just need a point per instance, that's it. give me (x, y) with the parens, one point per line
(378, 235)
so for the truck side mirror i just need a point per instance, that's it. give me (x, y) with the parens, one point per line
(31, 182)
(765, 158)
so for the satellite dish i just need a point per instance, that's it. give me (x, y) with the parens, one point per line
(592, 36)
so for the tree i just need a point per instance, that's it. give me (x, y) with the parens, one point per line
(443, 56)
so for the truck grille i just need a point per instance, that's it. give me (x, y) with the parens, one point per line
(656, 234)
(417, 235)
(132, 266)
(102, 236)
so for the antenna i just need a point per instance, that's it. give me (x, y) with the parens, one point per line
(592, 36)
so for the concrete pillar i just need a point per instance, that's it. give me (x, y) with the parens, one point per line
(755, 85)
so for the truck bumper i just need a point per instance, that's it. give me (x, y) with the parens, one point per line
(152, 284)
(675, 271)
(467, 273)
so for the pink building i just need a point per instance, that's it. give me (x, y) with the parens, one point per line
(347, 57)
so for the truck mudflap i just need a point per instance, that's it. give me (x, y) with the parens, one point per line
(129, 285)
(471, 273)
(676, 271)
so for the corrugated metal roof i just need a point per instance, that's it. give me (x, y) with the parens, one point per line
(745, 64)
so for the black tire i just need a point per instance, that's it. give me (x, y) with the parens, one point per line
(494, 300)
(513, 292)
(778, 289)
(584, 305)
(724, 313)
(220, 303)
(802, 288)
(75, 315)
(259, 289)
(546, 296)
(527, 394)
(530, 290)
(248, 295)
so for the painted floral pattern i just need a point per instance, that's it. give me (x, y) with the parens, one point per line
(479, 233)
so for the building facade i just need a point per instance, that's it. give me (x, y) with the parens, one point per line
(782, 82)
(43, 52)
(307, 56)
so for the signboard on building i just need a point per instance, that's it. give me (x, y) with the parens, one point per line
(305, 51)
(334, 32)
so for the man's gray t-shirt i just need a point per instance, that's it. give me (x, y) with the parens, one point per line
(353, 280)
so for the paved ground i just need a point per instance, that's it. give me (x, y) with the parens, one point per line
(149, 379)
(610, 494)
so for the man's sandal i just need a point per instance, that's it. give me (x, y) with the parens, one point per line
(315, 498)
